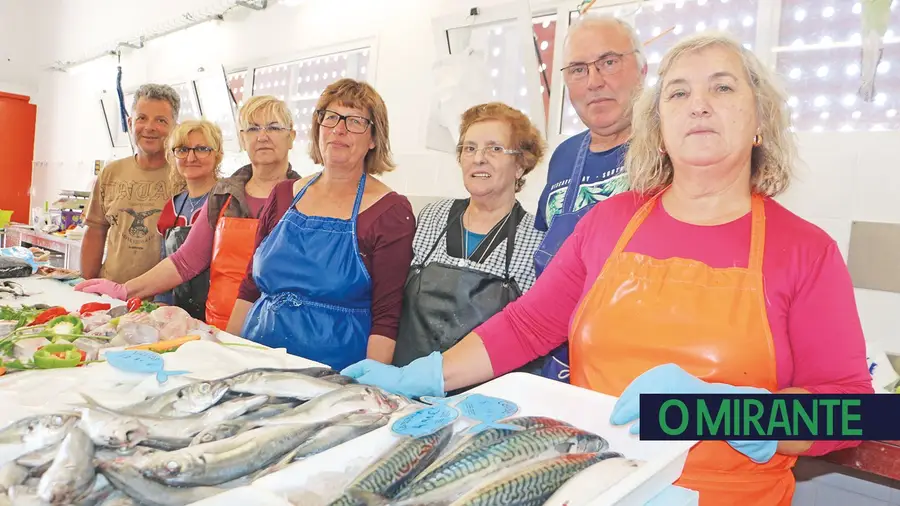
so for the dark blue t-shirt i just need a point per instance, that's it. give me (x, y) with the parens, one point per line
(603, 176)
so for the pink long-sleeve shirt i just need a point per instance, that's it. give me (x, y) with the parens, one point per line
(818, 338)
(195, 255)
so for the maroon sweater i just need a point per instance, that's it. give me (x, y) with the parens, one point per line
(385, 233)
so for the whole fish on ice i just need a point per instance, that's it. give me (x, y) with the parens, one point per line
(528, 444)
(347, 400)
(71, 475)
(395, 467)
(38, 431)
(226, 460)
(279, 383)
(128, 479)
(188, 400)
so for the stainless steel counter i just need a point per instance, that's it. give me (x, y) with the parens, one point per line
(65, 253)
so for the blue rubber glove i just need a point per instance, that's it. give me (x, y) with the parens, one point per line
(421, 377)
(671, 379)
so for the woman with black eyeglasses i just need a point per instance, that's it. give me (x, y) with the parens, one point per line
(332, 250)
(222, 241)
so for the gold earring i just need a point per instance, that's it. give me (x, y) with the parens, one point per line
(757, 140)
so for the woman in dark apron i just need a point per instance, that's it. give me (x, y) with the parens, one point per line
(197, 148)
(473, 256)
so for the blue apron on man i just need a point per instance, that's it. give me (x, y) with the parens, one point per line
(605, 178)
(316, 291)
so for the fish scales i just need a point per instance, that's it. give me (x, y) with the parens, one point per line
(510, 450)
(534, 483)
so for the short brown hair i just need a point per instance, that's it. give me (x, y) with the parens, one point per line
(213, 135)
(359, 95)
(524, 136)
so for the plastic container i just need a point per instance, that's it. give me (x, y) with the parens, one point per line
(5, 217)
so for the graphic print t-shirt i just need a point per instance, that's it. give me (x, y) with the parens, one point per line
(128, 201)
(603, 176)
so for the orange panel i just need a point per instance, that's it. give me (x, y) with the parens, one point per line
(17, 124)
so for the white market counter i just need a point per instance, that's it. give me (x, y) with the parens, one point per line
(29, 393)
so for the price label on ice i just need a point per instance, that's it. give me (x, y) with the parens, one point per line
(425, 422)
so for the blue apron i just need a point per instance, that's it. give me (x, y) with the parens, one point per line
(560, 228)
(316, 292)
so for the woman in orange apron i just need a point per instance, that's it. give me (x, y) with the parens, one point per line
(695, 282)
(224, 247)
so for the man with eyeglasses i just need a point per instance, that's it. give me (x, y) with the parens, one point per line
(603, 71)
(129, 194)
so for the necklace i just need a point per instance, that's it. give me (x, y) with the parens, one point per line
(465, 239)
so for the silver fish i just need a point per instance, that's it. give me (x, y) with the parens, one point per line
(128, 479)
(71, 475)
(390, 472)
(184, 401)
(242, 423)
(347, 400)
(280, 384)
(101, 491)
(111, 429)
(38, 460)
(174, 433)
(346, 429)
(474, 442)
(38, 431)
(226, 460)
(528, 444)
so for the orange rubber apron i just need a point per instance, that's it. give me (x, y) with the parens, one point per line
(643, 312)
(233, 246)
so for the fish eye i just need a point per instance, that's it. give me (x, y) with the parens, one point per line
(204, 388)
(172, 467)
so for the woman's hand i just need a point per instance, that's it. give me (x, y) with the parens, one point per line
(103, 287)
(422, 377)
(671, 379)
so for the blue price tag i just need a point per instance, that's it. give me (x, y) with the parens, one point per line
(486, 409)
(425, 422)
(141, 361)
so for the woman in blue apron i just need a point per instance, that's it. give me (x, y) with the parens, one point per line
(328, 286)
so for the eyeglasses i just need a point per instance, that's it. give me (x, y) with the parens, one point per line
(469, 151)
(354, 124)
(608, 64)
(201, 152)
(269, 129)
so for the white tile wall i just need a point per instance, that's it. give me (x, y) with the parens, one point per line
(821, 483)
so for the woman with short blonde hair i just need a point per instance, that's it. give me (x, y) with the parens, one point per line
(222, 243)
(695, 282)
(326, 282)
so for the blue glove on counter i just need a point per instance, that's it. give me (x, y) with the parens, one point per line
(421, 377)
(671, 379)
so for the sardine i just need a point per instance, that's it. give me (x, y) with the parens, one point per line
(174, 433)
(586, 486)
(347, 429)
(395, 467)
(474, 442)
(279, 383)
(528, 444)
(128, 479)
(347, 400)
(179, 402)
(222, 461)
(38, 431)
(71, 475)
(111, 429)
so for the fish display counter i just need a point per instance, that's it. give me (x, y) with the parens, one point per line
(224, 421)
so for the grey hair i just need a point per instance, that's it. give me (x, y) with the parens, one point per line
(592, 20)
(158, 92)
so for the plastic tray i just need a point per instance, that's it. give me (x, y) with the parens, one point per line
(535, 396)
